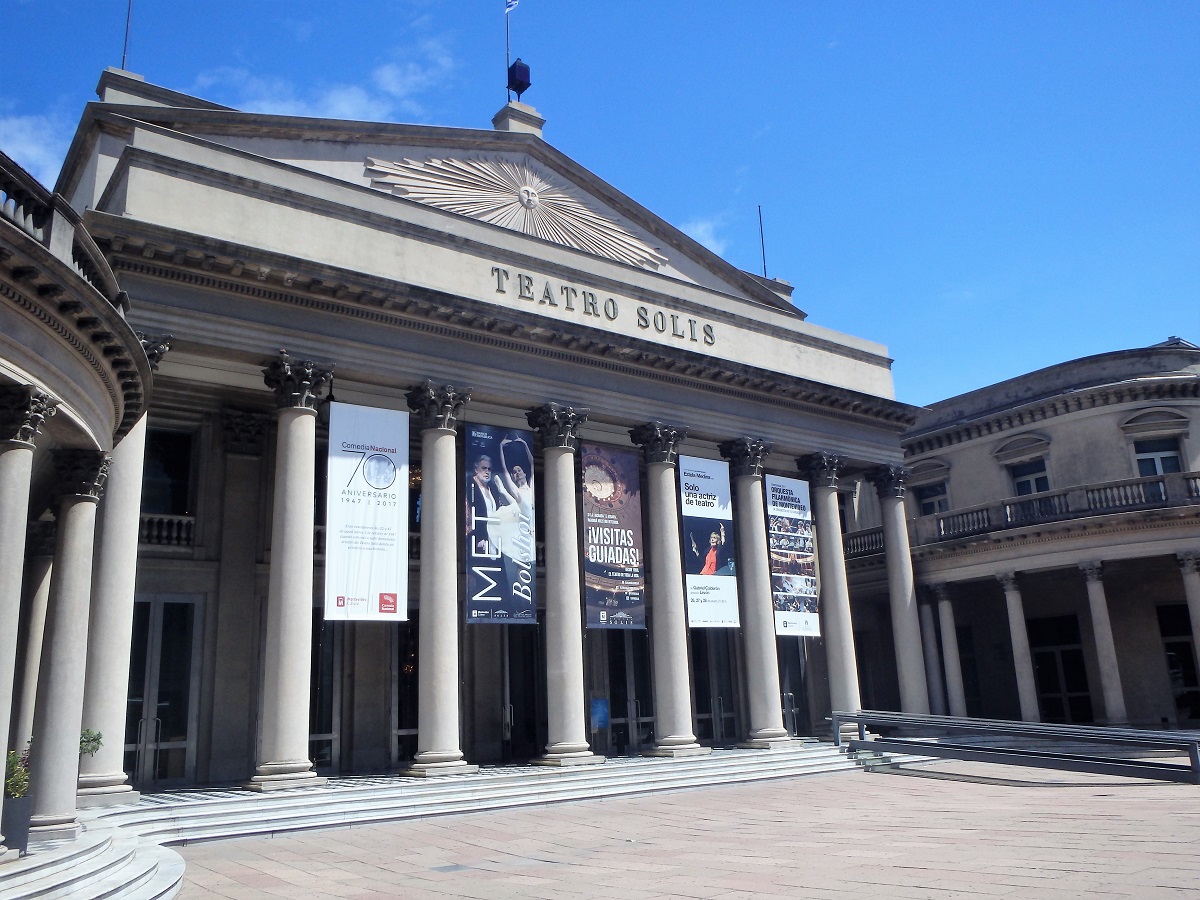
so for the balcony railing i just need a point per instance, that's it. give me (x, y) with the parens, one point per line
(863, 543)
(167, 531)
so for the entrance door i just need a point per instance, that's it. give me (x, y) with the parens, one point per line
(1062, 684)
(631, 700)
(714, 685)
(524, 704)
(792, 688)
(160, 723)
(405, 689)
(325, 693)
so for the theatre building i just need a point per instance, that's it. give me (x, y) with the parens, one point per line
(483, 292)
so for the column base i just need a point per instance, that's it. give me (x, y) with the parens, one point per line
(285, 782)
(774, 743)
(678, 752)
(432, 770)
(587, 758)
(117, 795)
(54, 831)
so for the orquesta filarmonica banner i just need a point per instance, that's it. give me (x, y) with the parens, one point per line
(501, 538)
(793, 573)
(614, 573)
(706, 511)
(366, 533)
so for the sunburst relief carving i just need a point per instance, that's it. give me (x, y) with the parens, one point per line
(515, 196)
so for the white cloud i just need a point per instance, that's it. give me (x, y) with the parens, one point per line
(705, 231)
(37, 143)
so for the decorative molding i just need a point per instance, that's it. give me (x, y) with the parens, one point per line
(519, 196)
(889, 481)
(436, 406)
(659, 441)
(746, 455)
(557, 424)
(156, 348)
(245, 433)
(23, 411)
(821, 468)
(81, 473)
(1092, 571)
(297, 383)
(1189, 563)
(1008, 581)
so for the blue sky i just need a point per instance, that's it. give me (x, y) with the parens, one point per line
(987, 189)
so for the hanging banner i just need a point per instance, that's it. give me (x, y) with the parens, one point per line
(366, 524)
(793, 571)
(614, 573)
(707, 518)
(501, 541)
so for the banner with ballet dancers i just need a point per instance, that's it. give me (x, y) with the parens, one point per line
(793, 570)
(706, 509)
(614, 572)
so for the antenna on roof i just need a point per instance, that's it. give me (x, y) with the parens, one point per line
(128, 18)
(762, 242)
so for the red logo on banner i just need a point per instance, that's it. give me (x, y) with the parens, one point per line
(387, 603)
(341, 601)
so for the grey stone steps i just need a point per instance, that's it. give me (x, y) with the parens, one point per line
(102, 863)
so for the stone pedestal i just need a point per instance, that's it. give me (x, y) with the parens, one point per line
(566, 714)
(439, 743)
(1106, 648)
(1022, 658)
(672, 686)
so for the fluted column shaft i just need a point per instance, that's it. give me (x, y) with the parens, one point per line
(1022, 658)
(955, 693)
(102, 778)
(54, 755)
(906, 627)
(1106, 648)
(933, 665)
(747, 457)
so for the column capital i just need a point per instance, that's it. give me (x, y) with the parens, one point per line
(1092, 571)
(1189, 563)
(41, 538)
(23, 411)
(297, 383)
(1008, 580)
(81, 473)
(558, 424)
(155, 347)
(889, 481)
(939, 591)
(746, 455)
(821, 468)
(244, 432)
(659, 441)
(437, 406)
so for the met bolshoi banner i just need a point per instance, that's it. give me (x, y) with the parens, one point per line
(614, 573)
(706, 511)
(501, 540)
(793, 572)
(366, 531)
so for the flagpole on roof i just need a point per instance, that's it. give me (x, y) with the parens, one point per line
(509, 6)
(128, 18)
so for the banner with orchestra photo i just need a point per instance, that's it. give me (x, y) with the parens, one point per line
(793, 569)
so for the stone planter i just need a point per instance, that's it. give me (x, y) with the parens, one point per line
(14, 824)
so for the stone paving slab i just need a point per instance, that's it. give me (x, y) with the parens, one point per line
(946, 829)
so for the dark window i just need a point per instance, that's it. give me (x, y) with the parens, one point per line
(1175, 627)
(1157, 457)
(932, 499)
(167, 477)
(1030, 478)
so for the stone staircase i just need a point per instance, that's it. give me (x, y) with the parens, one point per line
(121, 854)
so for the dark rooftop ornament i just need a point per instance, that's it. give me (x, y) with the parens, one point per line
(518, 78)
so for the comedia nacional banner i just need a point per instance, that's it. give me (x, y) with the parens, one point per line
(366, 531)
(501, 540)
(614, 571)
(708, 559)
(793, 573)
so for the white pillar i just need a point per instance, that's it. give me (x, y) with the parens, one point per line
(933, 666)
(1189, 568)
(1106, 648)
(955, 693)
(39, 569)
(566, 715)
(673, 734)
(102, 779)
(1022, 658)
(283, 760)
(906, 626)
(57, 721)
(747, 457)
(22, 412)
(822, 470)
(439, 743)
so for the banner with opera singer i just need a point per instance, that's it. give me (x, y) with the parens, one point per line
(614, 573)
(366, 503)
(708, 553)
(793, 571)
(501, 539)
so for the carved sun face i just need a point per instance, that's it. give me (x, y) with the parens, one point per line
(529, 197)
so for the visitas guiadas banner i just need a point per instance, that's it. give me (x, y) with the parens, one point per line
(793, 572)
(501, 538)
(614, 573)
(366, 530)
(706, 510)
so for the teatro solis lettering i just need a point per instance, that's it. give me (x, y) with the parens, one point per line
(581, 301)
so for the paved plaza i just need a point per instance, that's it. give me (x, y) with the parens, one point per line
(1009, 832)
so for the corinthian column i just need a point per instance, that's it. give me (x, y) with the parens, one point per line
(439, 744)
(1022, 658)
(746, 457)
(1106, 648)
(54, 755)
(672, 689)
(283, 738)
(821, 470)
(567, 720)
(22, 412)
(102, 779)
(906, 624)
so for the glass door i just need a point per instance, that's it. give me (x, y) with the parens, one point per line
(524, 713)
(631, 699)
(405, 687)
(1059, 670)
(160, 724)
(792, 688)
(713, 686)
(325, 694)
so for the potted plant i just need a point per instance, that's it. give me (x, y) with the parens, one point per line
(18, 804)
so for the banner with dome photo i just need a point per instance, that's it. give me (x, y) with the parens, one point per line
(614, 572)
(366, 505)
(706, 509)
(793, 571)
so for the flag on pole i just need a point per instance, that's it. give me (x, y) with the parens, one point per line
(510, 5)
